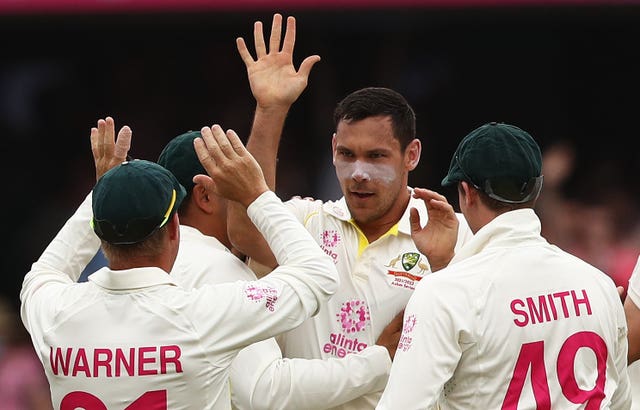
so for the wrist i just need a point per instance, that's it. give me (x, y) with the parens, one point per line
(273, 108)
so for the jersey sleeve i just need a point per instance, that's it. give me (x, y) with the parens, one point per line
(61, 263)
(300, 259)
(633, 290)
(262, 380)
(256, 310)
(427, 354)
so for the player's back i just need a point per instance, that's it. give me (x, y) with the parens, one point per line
(546, 330)
(137, 350)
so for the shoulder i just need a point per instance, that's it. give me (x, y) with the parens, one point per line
(308, 208)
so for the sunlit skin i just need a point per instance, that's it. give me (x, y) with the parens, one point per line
(373, 172)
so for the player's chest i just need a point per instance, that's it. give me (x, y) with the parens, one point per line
(389, 264)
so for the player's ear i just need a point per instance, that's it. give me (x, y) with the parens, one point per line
(334, 143)
(203, 199)
(174, 227)
(467, 193)
(412, 154)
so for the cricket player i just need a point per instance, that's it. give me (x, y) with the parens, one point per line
(260, 378)
(130, 338)
(367, 231)
(512, 322)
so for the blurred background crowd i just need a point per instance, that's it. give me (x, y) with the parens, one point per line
(566, 71)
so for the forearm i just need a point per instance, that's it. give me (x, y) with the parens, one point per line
(269, 382)
(301, 262)
(263, 144)
(246, 238)
(632, 313)
(65, 257)
(264, 140)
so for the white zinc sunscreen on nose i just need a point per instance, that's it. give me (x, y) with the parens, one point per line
(361, 170)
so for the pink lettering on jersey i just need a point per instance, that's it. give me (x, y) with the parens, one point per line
(330, 239)
(256, 293)
(115, 362)
(407, 327)
(550, 307)
(340, 346)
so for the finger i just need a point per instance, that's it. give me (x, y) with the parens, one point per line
(236, 143)
(437, 205)
(102, 126)
(307, 65)
(289, 35)
(398, 320)
(245, 55)
(427, 194)
(109, 136)
(94, 143)
(201, 145)
(276, 33)
(123, 144)
(224, 149)
(258, 40)
(438, 197)
(414, 220)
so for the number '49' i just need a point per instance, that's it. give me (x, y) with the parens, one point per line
(532, 356)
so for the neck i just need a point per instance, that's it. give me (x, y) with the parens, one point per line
(375, 229)
(161, 262)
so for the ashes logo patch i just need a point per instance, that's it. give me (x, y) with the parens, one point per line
(406, 269)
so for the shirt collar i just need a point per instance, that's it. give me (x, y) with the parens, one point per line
(507, 229)
(129, 279)
(340, 210)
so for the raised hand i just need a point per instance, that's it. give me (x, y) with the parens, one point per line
(233, 172)
(107, 150)
(438, 237)
(273, 79)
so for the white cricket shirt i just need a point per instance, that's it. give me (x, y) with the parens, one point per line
(633, 290)
(513, 323)
(376, 281)
(133, 340)
(260, 377)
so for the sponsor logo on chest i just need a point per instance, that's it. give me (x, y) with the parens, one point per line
(353, 318)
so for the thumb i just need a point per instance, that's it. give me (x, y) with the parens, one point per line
(414, 219)
(307, 65)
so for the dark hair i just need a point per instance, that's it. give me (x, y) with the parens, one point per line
(499, 206)
(379, 101)
(150, 247)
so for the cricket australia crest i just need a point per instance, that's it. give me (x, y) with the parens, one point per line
(402, 276)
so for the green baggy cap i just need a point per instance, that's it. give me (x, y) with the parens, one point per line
(179, 156)
(133, 200)
(501, 160)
